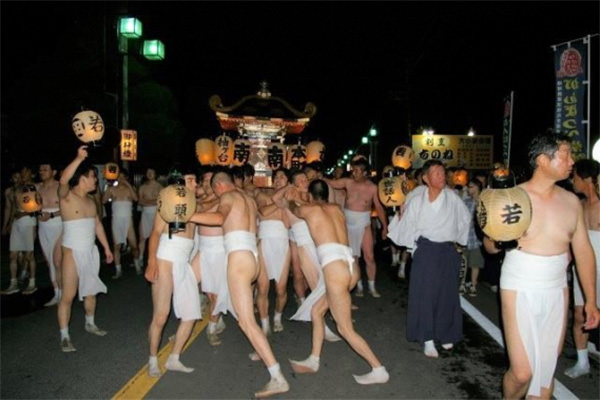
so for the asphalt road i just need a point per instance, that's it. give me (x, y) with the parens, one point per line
(34, 367)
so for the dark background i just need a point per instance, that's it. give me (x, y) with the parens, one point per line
(397, 66)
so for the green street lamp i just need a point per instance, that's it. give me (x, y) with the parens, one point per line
(153, 50)
(364, 140)
(373, 132)
(350, 152)
(131, 28)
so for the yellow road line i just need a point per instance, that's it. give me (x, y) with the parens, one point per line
(139, 386)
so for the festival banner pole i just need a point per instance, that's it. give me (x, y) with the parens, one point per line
(588, 81)
(510, 122)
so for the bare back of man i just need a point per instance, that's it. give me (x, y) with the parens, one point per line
(327, 226)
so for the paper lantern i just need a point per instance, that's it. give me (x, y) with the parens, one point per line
(296, 156)
(88, 127)
(223, 150)
(111, 171)
(176, 204)
(387, 170)
(241, 152)
(276, 155)
(29, 200)
(205, 151)
(390, 191)
(460, 177)
(504, 214)
(315, 151)
(402, 157)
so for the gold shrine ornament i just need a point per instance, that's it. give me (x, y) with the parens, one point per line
(504, 214)
(403, 156)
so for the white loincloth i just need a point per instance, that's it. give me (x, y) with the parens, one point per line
(186, 299)
(540, 304)
(213, 265)
(330, 252)
(357, 222)
(240, 240)
(196, 247)
(121, 218)
(304, 239)
(577, 292)
(147, 221)
(79, 235)
(303, 312)
(49, 231)
(22, 234)
(274, 244)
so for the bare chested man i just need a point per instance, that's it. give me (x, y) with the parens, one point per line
(122, 197)
(147, 196)
(80, 258)
(50, 225)
(327, 226)
(237, 214)
(273, 254)
(210, 264)
(585, 181)
(171, 275)
(339, 195)
(534, 292)
(361, 196)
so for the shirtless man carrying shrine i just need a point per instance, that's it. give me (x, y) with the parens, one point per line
(80, 258)
(237, 214)
(147, 196)
(361, 197)
(327, 226)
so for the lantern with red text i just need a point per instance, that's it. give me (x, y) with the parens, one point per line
(176, 204)
(276, 155)
(111, 171)
(296, 156)
(29, 200)
(88, 126)
(315, 151)
(402, 157)
(223, 150)
(241, 152)
(205, 151)
(390, 191)
(504, 210)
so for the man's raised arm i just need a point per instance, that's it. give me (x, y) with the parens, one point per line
(69, 171)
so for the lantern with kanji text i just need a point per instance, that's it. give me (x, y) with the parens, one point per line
(223, 150)
(504, 210)
(205, 151)
(111, 171)
(315, 151)
(276, 155)
(390, 191)
(402, 157)
(29, 200)
(176, 204)
(88, 126)
(296, 156)
(241, 152)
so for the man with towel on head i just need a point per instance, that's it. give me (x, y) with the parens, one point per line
(50, 225)
(80, 258)
(361, 197)
(533, 280)
(237, 213)
(122, 197)
(327, 226)
(171, 275)
(147, 196)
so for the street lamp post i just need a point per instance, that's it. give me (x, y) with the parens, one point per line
(373, 148)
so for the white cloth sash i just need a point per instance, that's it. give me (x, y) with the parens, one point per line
(79, 235)
(147, 220)
(121, 218)
(186, 299)
(330, 252)
(240, 240)
(49, 231)
(22, 234)
(577, 292)
(356, 222)
(275, 244)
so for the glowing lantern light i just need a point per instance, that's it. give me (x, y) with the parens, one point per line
(296, 156)
(176, 204)
(315, 151)
(205, 151)
(504, 210)
(460, 177)
(241, 152)
(223, 150)
(402, 157)
(111, 171)
(390, 191)
(276, 155)
(88, 126)
(29, 200)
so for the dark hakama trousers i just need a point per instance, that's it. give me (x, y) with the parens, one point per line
(434, 311)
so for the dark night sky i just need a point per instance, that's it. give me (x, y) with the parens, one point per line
(447, 65)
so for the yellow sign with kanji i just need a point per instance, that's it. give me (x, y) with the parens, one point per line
(128, 145)
(471, 152)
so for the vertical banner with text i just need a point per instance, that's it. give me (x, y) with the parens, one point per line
(128, 145)
(507, 128)
(570, 68)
